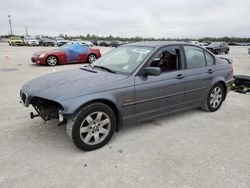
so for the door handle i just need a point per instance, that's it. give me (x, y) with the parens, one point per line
(210, 71)
(180, 76)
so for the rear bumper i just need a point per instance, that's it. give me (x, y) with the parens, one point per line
(33, 44)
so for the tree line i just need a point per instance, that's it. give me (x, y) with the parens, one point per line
(137, 38)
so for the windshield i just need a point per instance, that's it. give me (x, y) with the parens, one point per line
(124, 59)
(214, 44)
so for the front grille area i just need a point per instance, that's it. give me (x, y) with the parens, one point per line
(23, 96)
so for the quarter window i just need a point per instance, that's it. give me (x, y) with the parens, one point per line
(195, 57)
(210, 59)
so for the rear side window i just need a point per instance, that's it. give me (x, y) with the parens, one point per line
(210, 59)
(195, 57)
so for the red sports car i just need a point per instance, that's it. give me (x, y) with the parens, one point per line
(69, 53)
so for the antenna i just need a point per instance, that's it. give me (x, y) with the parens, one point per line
(11, 32)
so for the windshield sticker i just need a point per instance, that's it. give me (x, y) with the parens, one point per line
(141, 51)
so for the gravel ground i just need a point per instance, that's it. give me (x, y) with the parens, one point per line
(188, 149)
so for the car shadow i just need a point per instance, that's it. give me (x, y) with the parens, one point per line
(158, 121)
(55, 135)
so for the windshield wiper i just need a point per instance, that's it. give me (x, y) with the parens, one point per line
(104, 68)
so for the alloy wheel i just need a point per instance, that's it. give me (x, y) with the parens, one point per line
(52, 61)
(95, 128)
(92, 58)
(216, 97)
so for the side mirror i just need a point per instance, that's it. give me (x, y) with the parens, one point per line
(152, 71)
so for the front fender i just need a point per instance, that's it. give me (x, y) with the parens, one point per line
(72, 105)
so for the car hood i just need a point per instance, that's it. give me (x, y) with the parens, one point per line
(72, 83)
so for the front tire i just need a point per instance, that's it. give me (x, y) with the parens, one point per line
(215, 98)
(92, 127)
(52, 60)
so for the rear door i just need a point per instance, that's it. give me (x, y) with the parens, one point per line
(199, 74)
(157, 95)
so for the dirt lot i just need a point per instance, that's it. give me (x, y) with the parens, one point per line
(188, 149)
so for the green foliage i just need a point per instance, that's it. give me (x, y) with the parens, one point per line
(137, 38)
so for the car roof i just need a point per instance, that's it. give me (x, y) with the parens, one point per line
(157, 43)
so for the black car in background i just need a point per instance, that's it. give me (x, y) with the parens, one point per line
(95, 42)
(46, 42)
(104, 43)
(218, 47)
(115, 43)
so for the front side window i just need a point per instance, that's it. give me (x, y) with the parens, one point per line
(194, 57)
(168, 59)
(124, 59)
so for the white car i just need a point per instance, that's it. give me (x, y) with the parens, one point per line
(60, 41)
(198, 43)
(84, 42)
(87, 43)
(31, 41)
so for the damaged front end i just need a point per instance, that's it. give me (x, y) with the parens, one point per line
(46, 109)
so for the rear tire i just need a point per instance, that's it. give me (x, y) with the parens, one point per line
(227, 51)
(215, 98)
(92, 127)
(91, 58)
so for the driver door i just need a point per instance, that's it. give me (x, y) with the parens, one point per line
(158, 95)
(72, 54)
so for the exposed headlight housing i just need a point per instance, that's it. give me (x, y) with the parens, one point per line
(60, 117)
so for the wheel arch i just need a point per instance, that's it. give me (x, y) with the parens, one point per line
(48, 55)
(92, 53)
(223, 83)
(105, 101)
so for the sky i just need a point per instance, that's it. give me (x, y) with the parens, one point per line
(128, 18)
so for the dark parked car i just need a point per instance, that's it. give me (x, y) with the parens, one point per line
(115, 43)
(218, 47)
(46, 42)
(104, 43)
(132, 83)
(95, 42)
